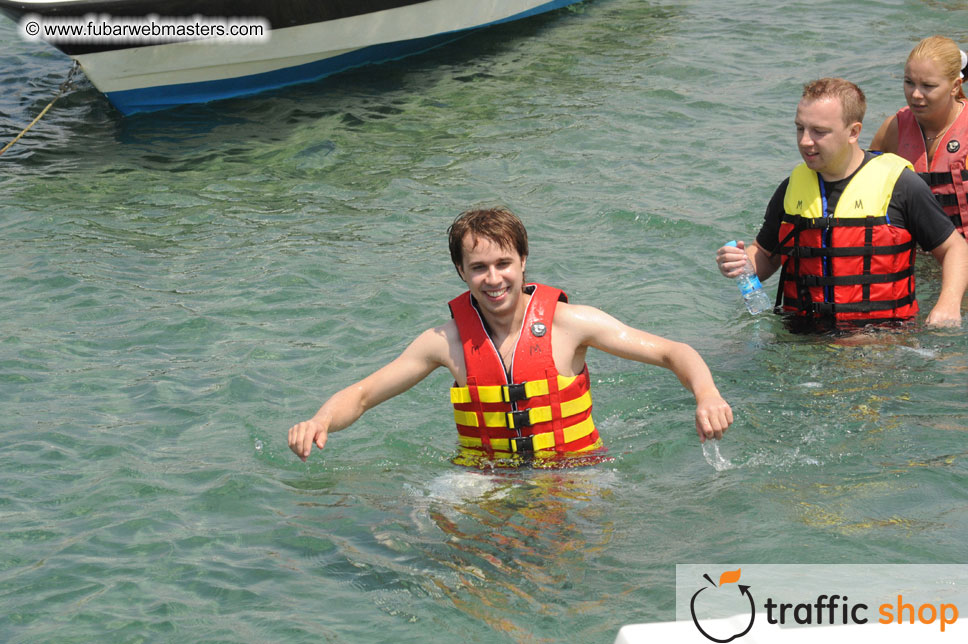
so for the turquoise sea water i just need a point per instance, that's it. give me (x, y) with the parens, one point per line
(177, 289)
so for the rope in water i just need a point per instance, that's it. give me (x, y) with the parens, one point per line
(67, 84)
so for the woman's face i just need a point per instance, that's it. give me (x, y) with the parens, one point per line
(929, 94)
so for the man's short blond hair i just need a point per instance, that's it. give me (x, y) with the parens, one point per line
(851, 97)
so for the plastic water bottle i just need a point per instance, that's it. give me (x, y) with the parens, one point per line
(754, 296)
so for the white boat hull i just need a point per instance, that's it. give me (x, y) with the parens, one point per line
(152, 77)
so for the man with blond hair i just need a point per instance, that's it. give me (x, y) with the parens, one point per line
(844, 228)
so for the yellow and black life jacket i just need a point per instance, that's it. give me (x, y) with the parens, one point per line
(852, 265)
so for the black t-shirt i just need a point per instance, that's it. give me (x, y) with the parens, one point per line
(912, 206)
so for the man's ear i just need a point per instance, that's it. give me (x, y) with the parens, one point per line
(855, 129)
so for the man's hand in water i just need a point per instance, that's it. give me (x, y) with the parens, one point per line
(303, 435)
(713, 416)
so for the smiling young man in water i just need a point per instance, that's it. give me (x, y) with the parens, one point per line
(517, 355)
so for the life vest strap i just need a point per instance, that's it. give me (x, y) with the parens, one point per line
(846, 251)
(854, 280)
(940, 178)
(947, 200)
(524, 417)
(508, 393)
(822, 223)
(535, 442)
(849, 307)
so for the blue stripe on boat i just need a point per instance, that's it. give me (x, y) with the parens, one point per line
(166, 96)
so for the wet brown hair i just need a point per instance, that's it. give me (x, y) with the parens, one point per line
(851, 97)
(499, 225)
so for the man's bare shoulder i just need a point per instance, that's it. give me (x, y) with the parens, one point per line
(439, 345)
(442, 337)
(584, 325)
(578, 315)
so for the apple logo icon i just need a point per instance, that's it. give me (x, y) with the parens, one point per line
(728, 577)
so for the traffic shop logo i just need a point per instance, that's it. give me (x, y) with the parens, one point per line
(712, 592)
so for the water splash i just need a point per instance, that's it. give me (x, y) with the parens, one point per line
(710, 450)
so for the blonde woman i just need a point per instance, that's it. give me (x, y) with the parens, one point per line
(931, 131)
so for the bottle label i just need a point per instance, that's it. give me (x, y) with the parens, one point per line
(748, 284)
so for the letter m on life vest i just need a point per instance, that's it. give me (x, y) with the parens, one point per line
(799, 205)
(859, 204)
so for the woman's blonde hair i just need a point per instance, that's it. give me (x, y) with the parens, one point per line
(946, 53)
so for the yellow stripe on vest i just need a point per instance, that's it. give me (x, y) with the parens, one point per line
(542, 441)
(499, 393)
(867, 195)
(535, 414)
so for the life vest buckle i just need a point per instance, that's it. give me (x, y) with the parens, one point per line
(522, 444)
(514, 392)
(520, 418)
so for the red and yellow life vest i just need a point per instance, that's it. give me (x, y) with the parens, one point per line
(852, 265)
(947, 175)
(537, 412)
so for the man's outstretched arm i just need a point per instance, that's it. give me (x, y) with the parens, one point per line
(417, 361)
(597, 329)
